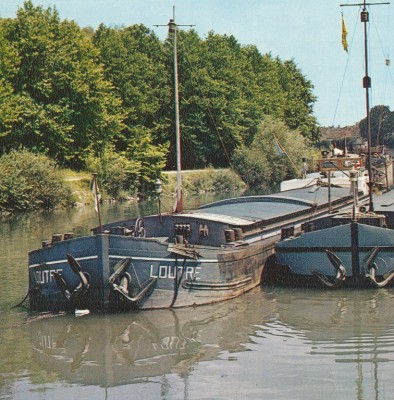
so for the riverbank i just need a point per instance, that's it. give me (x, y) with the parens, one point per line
(193, 182)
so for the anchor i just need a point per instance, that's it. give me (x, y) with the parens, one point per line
(74, 295)
(370, 268)
(339, 268)
(120, 282)
(119, 270)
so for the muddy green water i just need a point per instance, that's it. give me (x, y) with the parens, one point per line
(272, 343)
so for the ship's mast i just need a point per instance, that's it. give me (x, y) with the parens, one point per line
(364, 15)
(172, 29)
(367, 85)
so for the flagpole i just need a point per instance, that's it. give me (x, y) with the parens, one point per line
(97, 200)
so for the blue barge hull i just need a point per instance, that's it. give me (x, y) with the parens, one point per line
(214, 253)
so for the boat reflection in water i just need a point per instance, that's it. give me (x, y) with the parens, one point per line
(114, 349)
(291, 342)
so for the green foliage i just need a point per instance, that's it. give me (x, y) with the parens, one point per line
(121, 177)
(117, 175)
(298, 104)
(253, 167)
(211, 180)
(73, 93)
(133, 59)
(226, 90)
(262, 165)
(63, 105)
(224, 181)
(30, 182)
(382, 126)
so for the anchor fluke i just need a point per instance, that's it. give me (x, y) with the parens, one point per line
(370, 258)
(119, 269)
(371, 275)
(338, 267)
(74, 295)
(76, 268)
(62, 285)
(120, 285)
(370, 269)
(133, 301)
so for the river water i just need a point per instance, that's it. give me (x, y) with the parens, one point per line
(271, 343)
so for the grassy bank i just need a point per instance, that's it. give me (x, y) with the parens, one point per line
(193, 182)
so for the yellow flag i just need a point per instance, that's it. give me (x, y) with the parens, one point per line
(344, 35)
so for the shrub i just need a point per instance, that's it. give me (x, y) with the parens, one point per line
(117, 175)
(211, 180)
(30, 182)
(253, 167)
(264, 164)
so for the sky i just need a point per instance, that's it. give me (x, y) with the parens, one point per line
(306, 31)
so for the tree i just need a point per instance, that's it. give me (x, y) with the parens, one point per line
(74, 93)
(65, 106)
(134, 62)
(275, 154)
(266, 95)
(227, 89)
(212, 75)
(10, 102)
(299, 99)
(382, 125)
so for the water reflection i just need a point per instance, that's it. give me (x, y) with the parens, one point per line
(273, 343)
(108, 350)
(300, 342)
(341, 341)
(337, 316)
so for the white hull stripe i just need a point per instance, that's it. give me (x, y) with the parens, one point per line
(62, 261)
(163, 259)
(120, 258)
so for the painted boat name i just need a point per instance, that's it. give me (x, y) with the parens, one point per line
(46, 275)
(162, 272)
(169, 272)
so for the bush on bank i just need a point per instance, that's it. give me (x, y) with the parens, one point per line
(276, 154)
(30, 182)
(203, 181)
(117, 175)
